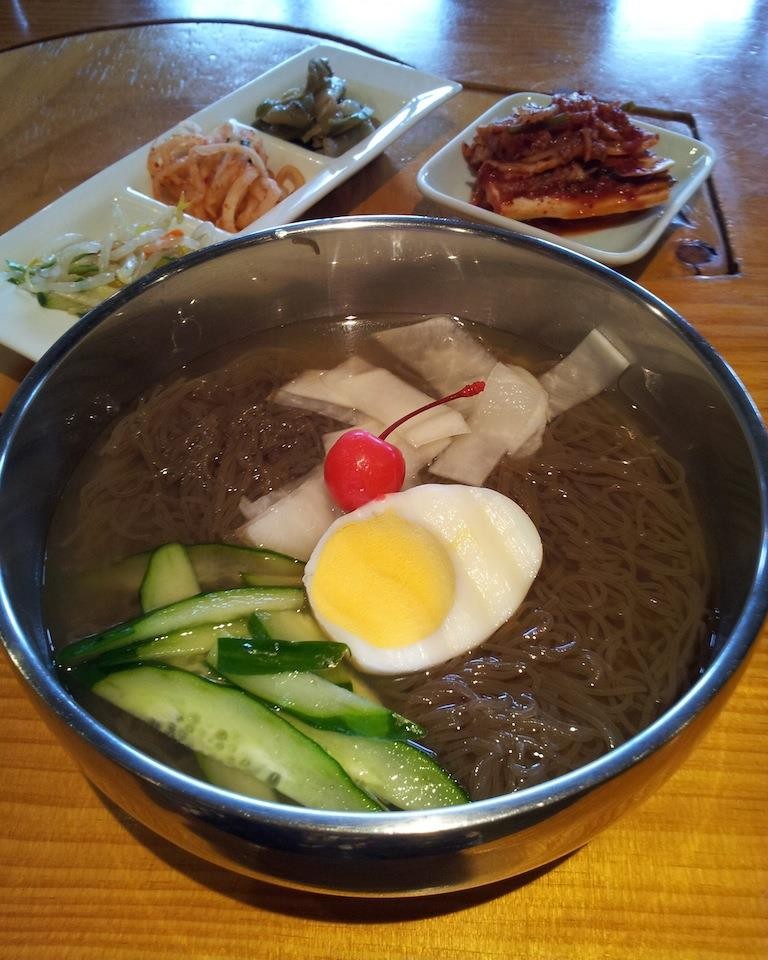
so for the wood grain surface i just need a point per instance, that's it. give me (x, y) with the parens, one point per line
(686, 875)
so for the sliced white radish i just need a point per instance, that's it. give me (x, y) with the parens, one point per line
(442, 351)
(508, 418)
(589, 368)
(309, 391)
(295, 522)
(252, 508)
(532, 444)
(385, 397)
(416, 458)
(511, 410)
(470, 458)
(355, 388)
(291, 520)
(333, 378)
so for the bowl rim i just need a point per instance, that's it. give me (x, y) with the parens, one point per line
(472, 816)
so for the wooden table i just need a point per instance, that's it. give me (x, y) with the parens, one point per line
(684, 876)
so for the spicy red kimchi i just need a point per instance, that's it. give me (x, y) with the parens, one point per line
(577, 157)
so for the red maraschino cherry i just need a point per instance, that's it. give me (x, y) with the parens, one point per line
(361, 467)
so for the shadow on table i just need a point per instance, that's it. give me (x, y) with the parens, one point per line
(313, 906)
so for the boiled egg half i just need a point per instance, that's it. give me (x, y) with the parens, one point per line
(417, 577)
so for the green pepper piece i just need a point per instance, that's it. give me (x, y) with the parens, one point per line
(340, 124)
(237, 656)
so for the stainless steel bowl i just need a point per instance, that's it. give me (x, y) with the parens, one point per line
(354, 267)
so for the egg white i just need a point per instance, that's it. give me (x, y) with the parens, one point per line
(495, 551)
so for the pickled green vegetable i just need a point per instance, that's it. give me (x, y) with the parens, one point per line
(321, 116)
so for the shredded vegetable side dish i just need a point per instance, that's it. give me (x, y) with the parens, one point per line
(222, 177)
(75, 273)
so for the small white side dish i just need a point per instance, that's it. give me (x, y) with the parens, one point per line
(447, 180)
(399, 94)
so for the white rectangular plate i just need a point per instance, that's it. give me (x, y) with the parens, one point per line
(399, 95)
(447, 179)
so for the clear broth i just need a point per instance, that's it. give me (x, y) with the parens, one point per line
(556, 686)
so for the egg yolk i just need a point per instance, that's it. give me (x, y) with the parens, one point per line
(384, 579)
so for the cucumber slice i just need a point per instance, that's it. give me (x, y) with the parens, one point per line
(170, 577)
(227, 724)
(291, 625)
(191, 643)
(398, 773)
(206, 608)
(216, 566)
(322, 703)
(76, 303)
(236, 781)
(338, 675)
(271, 578)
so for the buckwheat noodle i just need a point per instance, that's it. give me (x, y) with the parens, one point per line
(609, 635)
(610, 631)
(176, 466)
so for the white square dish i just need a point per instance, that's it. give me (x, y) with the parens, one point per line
(399, 95)
(447, 180)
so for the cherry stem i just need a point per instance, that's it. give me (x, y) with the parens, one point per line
(471, 390)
